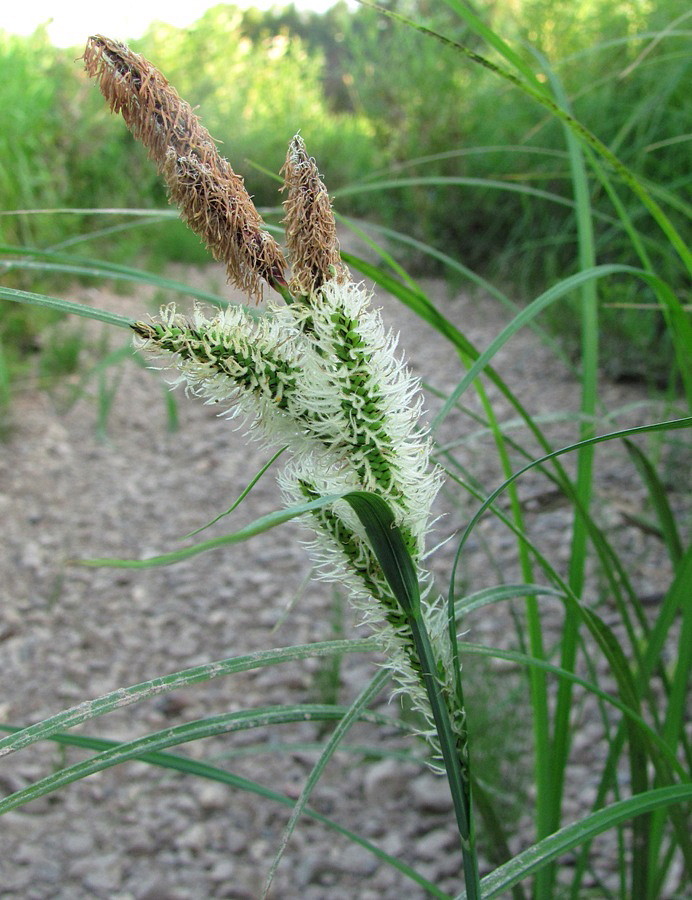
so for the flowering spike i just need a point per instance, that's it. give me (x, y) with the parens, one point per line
(212, 197)
(310, 226)
(234, 359)
(323, 380)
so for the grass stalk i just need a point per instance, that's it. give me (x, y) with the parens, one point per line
(583, 486)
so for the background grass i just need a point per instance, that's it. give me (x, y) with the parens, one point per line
(473, 172)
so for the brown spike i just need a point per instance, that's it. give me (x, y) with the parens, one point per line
(310, 226)
(212, 198)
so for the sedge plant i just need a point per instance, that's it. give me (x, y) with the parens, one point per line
(316, 376)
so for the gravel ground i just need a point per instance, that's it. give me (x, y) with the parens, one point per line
(68, 634)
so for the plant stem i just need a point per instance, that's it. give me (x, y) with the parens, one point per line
(457, 770)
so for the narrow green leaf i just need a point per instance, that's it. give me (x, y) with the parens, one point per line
(173, 736)
(527, 314)
(529, 85)
(350, 717)
(242, 495)
(678, 700)
(453, 265)
(659, 500)
(522, 659)
(264, 523)
(453, 181)
(388, 545)
(549, 801)
(671, 425)
(64, 306)
(200, 769)
(136, 211)
(397, 566)
(50, 260)
(571, 836)
(126, 696)
(500, 592)
(478, 26)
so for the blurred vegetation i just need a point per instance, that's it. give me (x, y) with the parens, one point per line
(377, 102)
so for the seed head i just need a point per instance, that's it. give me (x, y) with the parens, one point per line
(310, 226)
(212, 198)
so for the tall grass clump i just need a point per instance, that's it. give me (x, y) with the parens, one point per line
(28, 91)
(476, 173)
(55, 193)
(479, 175)
(316, 377)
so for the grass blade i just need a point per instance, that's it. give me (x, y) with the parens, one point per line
(64, 306)
(172, 737)
(544, 852)
(126, 696)
(351, 716)
(538, 93)
(202, 769)
(264, 523)
(554, 293)
(659, 501)
(243, 494)
(51, 261)
(674, 724)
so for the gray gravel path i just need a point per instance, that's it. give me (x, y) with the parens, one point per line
(68, 634)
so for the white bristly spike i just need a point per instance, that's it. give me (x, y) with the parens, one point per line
(323, 377)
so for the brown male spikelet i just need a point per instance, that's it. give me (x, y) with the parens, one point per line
(310, 226)
(211, 196)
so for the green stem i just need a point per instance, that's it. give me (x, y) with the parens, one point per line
(281, 288)
(457, 772)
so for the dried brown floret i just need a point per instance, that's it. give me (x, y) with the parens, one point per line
(310, 226)
(212, 197)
